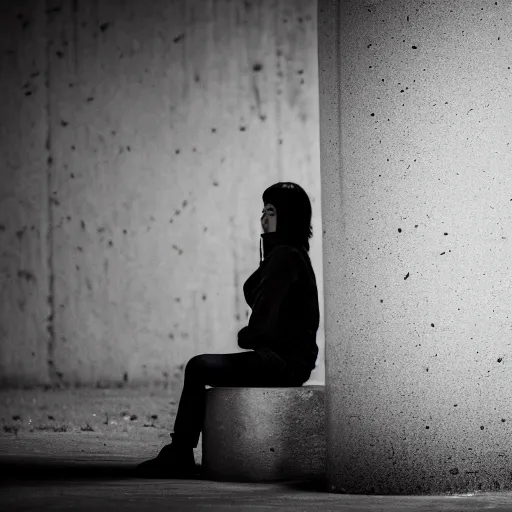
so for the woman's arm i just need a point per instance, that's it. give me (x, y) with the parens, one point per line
(277, 277)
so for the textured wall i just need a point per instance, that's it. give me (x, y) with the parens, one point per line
(136, 143)
(25, 259)
(416, 140)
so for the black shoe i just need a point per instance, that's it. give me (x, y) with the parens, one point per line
(171, 462)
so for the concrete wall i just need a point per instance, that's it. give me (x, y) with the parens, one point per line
(136, 142)
(416, 156)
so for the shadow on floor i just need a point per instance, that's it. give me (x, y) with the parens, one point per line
(308, 485)
(43, 471)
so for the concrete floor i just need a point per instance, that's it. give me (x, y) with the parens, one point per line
(75, 450)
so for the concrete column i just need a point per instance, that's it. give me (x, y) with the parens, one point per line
(416, 145)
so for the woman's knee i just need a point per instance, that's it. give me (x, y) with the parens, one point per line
(196, 363)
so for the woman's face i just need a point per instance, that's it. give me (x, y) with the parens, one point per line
(269, 219)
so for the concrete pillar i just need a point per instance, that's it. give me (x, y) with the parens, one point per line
(416, 145)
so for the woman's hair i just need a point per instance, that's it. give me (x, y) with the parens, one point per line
(293, 211)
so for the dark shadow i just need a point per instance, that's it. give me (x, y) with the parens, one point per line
(41, 470)
(312, 485)
(306, 485)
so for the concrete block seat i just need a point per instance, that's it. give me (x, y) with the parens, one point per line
(264, 434)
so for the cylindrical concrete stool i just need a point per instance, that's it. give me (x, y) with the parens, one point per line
(264, 434)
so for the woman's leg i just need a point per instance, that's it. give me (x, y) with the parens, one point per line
(249, 369)
(242, 369)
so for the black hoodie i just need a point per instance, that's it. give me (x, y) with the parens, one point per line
(283, 296)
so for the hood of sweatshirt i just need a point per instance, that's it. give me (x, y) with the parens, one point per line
(270, 240)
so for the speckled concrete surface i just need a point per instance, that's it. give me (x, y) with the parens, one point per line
(58, 452)
(159, 495)
(87, 421)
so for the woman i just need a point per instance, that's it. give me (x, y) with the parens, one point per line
(280, 335)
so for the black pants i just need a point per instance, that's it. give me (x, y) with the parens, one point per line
(241, 369)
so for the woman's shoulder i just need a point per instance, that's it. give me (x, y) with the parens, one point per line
(288, 253)
(285, 250)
